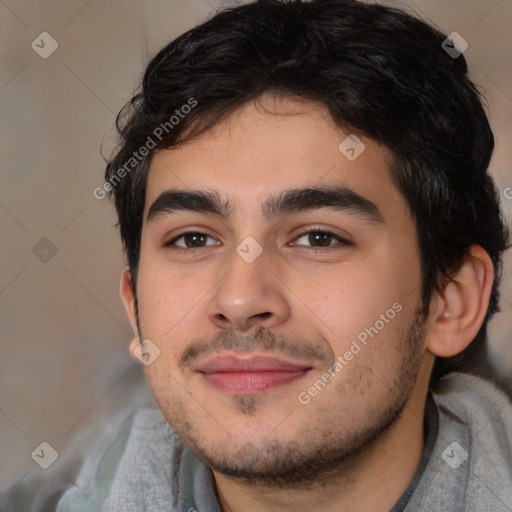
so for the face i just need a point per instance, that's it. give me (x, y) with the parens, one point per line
(310, 259)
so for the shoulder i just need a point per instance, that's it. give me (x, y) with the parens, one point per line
(477, 402)
(41, 490)
(140, 450)
(472, 459)
(480, 413)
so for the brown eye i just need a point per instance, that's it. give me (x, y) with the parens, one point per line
(191, 240)
(319, 238)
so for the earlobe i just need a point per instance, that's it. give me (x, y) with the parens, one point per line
(460, 308)
(128, 298)
(133, 345)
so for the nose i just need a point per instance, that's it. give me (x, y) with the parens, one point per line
(249, 294)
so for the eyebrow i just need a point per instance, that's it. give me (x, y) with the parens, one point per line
(285, 203)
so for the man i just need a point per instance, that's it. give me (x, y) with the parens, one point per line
(314, 249)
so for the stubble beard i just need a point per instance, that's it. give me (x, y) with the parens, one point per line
(315, 455)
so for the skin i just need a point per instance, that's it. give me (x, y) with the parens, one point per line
(364, 429)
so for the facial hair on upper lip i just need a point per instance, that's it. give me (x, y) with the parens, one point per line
(263, 341)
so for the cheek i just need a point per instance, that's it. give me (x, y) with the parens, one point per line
(345, 300)
(168, 298)
(373, 336)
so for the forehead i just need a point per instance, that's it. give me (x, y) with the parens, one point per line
(275, 145)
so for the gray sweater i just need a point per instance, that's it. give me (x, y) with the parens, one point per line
(140, 464)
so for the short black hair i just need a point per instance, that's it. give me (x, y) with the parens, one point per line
(379, 72)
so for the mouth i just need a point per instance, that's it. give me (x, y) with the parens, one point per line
(250, 375)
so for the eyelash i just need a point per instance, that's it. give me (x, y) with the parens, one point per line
(342, 241)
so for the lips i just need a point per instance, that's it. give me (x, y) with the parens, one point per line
(250, 375)
(250, 364)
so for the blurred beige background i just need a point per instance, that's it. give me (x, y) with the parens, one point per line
(64, 335)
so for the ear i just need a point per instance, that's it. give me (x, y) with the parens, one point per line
(458, 311)
(128, 297)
